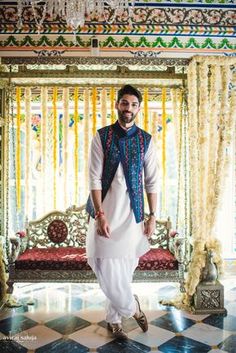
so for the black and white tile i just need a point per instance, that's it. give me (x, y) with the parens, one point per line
(61, 318)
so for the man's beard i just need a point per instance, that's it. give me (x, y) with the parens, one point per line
(126, 119)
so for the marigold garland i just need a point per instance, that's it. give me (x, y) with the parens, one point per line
(94, 109)
(86, 136)
(44, 101)
(18, 148)
(112, 101)
(154, 126)
(66, 119)
(103, 101)
(28, 143)
(203, 136)
(145, 109)
(55, 150)
(175, 116)
(177, 96)
(163, 150)
(76, 149)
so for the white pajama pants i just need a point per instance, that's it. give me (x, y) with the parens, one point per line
(114, 277)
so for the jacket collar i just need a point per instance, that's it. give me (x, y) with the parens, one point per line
(124, 133)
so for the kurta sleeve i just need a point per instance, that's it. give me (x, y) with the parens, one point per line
(96, 163)
(151, 169)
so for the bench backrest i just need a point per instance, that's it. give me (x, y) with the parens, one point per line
(69, 228)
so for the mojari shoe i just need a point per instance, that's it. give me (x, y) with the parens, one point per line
(141, 319)
(117, 331)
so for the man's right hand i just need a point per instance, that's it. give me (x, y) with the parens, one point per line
(102, 226)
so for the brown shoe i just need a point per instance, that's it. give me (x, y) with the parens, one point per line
(141, 319)
(117, 331)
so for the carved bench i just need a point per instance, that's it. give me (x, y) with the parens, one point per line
(53, 250)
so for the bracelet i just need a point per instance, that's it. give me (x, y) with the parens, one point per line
(98, 214)
(152, 213)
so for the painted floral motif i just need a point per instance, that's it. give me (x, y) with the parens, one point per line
(57, 231)
(9, 14)
(148, 15)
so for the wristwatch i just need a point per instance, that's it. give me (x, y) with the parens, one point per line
(152, 213)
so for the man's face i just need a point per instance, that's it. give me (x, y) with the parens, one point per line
(127, 108)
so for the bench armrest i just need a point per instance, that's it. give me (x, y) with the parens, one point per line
(177, 248)
(15, 248)
(18, 245)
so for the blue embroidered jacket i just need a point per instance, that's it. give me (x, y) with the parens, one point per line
(129, 148)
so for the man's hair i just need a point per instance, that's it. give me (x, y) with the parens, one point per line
(128, 89)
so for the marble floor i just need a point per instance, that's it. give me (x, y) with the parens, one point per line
(65, 318)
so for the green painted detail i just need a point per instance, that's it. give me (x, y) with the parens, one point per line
(143, 42)
(224, 44)
(28, 42)
(44, 41)
(61, 42)
(11, 41)
(80, 42)
(111, 42)
(208, 43)
(192, 43)
(159, 43)
(175, 43)
(126, 42)
(190, 1)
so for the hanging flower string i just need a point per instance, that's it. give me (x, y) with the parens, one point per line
(145, 109)
(163, 150)
(86, 135)
(219, 135)
(94, 107)
(76, 149)
(66, 100)
(28, 151)
(104, 106)
(112, 101)
(44, 100)
(18, 148)
(154, 126)
(55, 152)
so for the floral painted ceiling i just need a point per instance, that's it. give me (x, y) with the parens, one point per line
(159, 28)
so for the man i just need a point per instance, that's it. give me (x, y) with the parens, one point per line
(121, 155)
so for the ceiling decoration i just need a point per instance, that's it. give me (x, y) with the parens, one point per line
(75, 13)
(160, 28)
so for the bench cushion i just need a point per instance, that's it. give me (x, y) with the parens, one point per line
(158, 259)
(70, 258)
(67, 258)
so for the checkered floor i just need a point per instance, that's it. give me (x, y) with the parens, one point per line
(70, 318)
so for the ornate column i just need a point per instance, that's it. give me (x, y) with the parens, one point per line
(4, 164)
(2, 161)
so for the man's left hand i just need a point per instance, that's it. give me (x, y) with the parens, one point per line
(149, 226)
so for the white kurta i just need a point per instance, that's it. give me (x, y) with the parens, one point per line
(127, 239)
